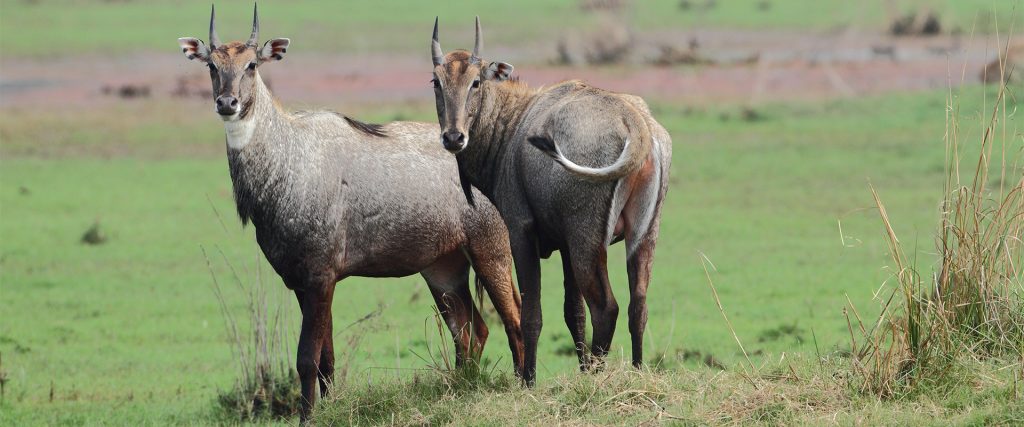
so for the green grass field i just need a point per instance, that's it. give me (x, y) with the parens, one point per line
(54, 28)
(129, 331)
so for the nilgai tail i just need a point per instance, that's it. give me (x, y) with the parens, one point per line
(635, 151)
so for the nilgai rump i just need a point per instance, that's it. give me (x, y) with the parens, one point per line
(515, 143)
(332, 197)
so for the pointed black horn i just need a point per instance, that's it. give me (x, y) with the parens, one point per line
(254, 38)
(479, 43)
(214, 40)
(435, 47)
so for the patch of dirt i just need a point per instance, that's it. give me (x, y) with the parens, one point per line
(735, 66)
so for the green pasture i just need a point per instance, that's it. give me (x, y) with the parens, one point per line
(129, 331)
(109, 29)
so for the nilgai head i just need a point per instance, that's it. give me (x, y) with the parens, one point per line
(458, 77)
(233, 66)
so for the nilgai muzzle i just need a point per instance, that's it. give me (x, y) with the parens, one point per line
(515, 143)
(331, 197)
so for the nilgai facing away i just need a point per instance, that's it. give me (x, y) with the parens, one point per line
(495, 126)
(332, 197)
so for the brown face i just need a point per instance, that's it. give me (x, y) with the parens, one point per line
(233, 71)
(457, 95)
(233, 66)
(459, 79)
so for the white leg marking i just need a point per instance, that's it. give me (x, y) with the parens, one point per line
(650, 198)
(618, 202)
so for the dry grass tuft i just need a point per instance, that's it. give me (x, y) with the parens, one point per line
(933, 328)
(94, 235)
(917, 23)
(783, 400)
(267, 386)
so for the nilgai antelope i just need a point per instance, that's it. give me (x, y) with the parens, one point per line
(495, 126)
(331, 197)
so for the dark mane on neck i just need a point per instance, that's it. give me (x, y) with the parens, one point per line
(370, 129)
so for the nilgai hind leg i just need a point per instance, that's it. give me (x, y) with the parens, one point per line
(642, 218)
(494, 271)
(590, 271)
(575, 313)
(638, 266)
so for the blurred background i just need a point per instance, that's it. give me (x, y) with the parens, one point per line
(117, 226)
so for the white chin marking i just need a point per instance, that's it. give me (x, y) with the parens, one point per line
(230, 118)
(239, 132)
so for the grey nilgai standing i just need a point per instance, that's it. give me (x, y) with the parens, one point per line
(332, 197)
(495, 126)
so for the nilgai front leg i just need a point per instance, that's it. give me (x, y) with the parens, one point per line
(316, 318)
(326, 366)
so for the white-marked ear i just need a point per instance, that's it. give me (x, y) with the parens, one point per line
(194, 48)
(498, 71)
(274, 49)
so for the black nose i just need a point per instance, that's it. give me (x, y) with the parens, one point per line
(227, 105)
(454, 140)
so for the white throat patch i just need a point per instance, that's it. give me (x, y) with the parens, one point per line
(239, 133)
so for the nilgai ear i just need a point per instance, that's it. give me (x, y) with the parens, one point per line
(498, 71)
(274, 49)
(194, 48)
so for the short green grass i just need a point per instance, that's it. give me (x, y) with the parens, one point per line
(129, 331)
(56, 28)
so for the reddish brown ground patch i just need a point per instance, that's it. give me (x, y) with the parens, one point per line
(792, 66)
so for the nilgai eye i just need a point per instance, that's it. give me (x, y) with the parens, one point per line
(476, 84)
(437, 84)
(252, 66)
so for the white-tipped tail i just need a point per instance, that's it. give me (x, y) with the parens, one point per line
(613, 171)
